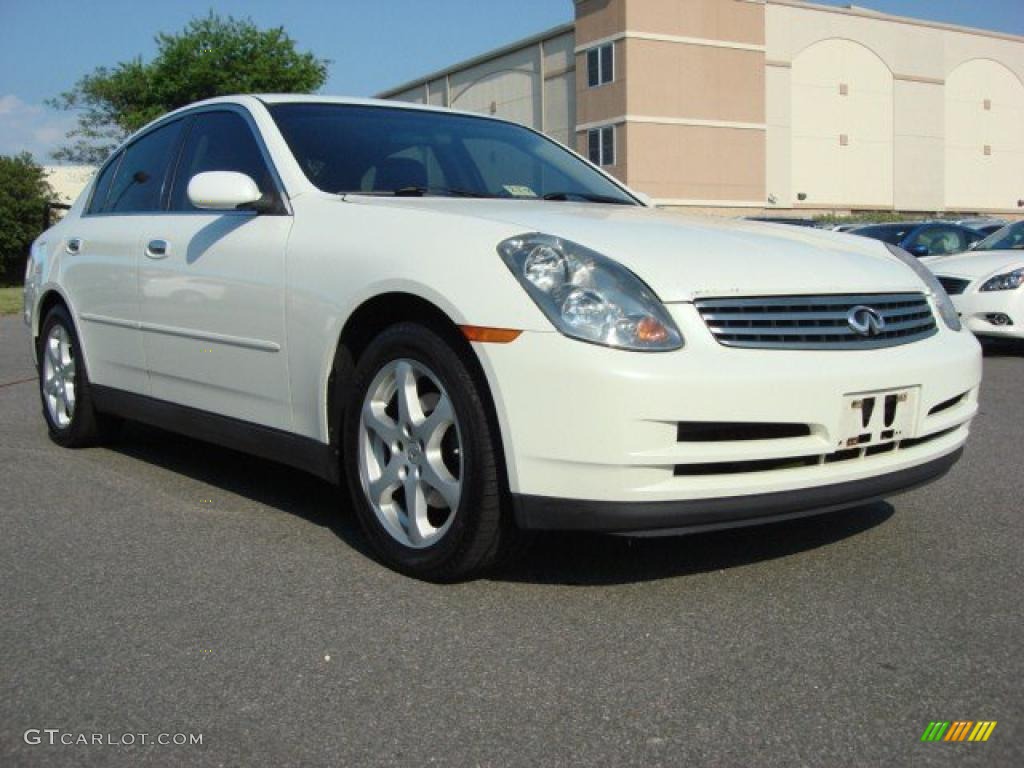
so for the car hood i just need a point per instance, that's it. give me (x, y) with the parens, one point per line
(974, 264)
(683, 258)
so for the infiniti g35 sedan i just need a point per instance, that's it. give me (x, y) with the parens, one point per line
(477, 333)
(987, 283)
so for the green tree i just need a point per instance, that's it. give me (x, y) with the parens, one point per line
(212, 56)
(23, 193)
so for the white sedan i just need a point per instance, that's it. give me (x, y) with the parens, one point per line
(987, 283)
(477, 332)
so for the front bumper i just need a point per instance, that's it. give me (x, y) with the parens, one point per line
(582, 423)
(693, 516)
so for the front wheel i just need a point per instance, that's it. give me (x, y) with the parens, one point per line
(421, 460)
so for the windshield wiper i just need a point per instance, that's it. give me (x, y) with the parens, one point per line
(588, 197)
(416, 191)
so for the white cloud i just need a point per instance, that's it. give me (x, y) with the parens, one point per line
(33, 128)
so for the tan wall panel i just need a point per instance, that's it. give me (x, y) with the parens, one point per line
(417, 95)
(559, 97)
(559, 53)
(731, 20)
(695, 81)
(599, 18)
(438, 91)
(778, 113)
(974, 179)
(827, 170)
(510, 83)
(919, 178)
(605, 101)
(696, 162)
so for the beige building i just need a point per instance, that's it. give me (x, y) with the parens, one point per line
(68, 181)
(743, 106)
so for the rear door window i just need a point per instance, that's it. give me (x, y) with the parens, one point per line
(139, 180)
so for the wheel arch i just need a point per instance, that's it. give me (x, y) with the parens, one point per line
(372, 317)
(50, 297)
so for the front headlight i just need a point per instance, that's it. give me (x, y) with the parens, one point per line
(946, 309)
(588, 296)
(1006, 282)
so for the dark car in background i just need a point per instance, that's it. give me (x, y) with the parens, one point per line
(793, 222)
(923, 238)
(986, 225)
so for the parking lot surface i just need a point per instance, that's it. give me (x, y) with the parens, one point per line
(161, 585)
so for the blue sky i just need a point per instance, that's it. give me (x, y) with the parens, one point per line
(46, 45)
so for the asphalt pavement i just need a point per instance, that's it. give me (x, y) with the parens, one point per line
(163, 586)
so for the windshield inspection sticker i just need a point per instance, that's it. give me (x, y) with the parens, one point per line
(517, 190)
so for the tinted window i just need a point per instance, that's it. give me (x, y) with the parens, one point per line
(887, 233)
(140, 177)
(351, 149)
(510, 169)
(219, 141)
(940, 240)
(1009, 238)
(600, 65)
(594, 67)
(102, 188)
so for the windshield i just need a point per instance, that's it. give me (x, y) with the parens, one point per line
(351, 149)
(1009, 238)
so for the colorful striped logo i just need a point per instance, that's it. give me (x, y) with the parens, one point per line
(958, 730)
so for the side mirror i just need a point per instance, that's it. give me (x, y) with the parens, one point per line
(222, 190)
(918, 250)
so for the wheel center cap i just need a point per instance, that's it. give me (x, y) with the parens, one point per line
(414, 454)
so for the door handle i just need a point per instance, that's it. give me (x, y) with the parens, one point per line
(73, 245)
(157, 249)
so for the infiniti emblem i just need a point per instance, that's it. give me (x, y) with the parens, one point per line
(865, 321)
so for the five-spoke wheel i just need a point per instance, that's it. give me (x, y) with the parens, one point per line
(410, 453)
(64, 385)
(58, 375)
(421, 455)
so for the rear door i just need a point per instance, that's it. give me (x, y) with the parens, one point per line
(212, 284)
(100, 258)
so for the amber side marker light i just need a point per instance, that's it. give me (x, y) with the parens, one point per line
(492, 335)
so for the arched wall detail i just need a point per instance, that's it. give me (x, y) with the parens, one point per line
(984, 137)
(842, 126)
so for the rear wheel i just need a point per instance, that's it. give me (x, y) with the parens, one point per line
(64, 385)
(421, 459)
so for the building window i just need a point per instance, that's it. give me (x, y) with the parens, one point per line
(601, 65)
(601, 145)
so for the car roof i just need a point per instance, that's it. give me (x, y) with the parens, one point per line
(308, 98)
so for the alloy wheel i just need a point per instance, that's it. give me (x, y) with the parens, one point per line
(410, 453)
(59, 376)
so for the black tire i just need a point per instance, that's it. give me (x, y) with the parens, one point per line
(481, 532)
(86, 427)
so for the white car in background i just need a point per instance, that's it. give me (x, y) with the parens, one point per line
(986, 283)
(478, 332)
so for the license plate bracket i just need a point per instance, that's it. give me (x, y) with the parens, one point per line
(874, 418)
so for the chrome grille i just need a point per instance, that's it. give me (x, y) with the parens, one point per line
(815, 322)
(953, 285)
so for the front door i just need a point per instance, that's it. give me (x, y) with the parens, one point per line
(212, 286)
